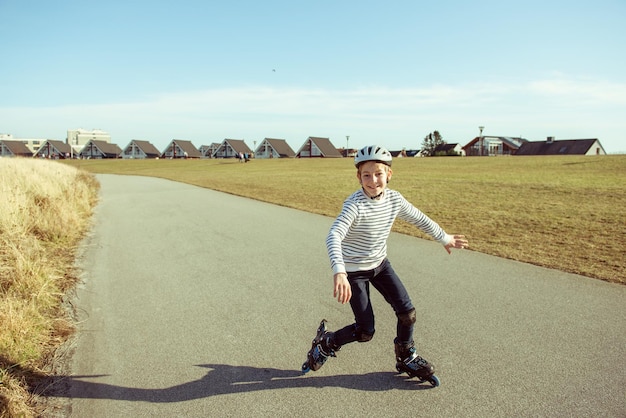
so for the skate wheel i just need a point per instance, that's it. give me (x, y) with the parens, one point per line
(305, 368)
(434, 380)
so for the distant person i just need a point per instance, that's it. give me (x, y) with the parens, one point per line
(357, 248)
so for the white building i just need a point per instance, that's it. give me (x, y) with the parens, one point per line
(78, 138)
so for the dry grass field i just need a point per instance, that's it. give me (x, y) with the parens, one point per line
(45, 209)
(566, 213)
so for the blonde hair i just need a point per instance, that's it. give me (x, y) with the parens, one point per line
(387, 167)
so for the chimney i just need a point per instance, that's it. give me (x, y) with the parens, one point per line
(550, 139)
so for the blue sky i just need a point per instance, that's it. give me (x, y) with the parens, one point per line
(380, 72)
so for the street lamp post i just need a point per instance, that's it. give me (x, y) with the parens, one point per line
(347, 144)
(480, 139)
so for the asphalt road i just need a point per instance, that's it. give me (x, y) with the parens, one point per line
(199, 303)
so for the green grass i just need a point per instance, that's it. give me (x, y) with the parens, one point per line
(566, 213)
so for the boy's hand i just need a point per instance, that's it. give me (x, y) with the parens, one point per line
(458, 241)
(342, 290)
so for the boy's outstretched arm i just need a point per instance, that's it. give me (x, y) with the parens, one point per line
(458, 241)
(342, 290)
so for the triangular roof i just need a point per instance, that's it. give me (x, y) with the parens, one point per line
(512, 142)
(15, 148)
(51, 147)
(510, 145)
(239, 145)
(105, 149)
(235, 145)
(145, 146)
(188, 149)
(203, 148)
(208, 150)
(318, 147)
(445, 147)
(561, 147)
(281, 147)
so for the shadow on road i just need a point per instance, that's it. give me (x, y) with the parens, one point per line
(225, 379)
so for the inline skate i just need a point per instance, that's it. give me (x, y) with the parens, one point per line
(320, 350)
(409, 362)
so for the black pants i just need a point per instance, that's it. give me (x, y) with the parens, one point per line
(386, 281)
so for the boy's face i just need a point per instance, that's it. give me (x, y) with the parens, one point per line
(374, 177)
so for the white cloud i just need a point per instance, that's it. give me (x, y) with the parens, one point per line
(557, 106)
(584, 90)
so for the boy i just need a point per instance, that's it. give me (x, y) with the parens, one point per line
(357, 248)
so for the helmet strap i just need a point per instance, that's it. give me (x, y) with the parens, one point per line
(375, 197)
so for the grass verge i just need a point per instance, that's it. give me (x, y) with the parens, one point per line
(45, 208)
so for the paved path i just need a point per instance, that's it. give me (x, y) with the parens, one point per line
(199, 303)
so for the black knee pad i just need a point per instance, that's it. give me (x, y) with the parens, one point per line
(363, 337)
(407, 318)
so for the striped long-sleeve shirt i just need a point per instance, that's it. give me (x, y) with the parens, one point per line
(357, 240)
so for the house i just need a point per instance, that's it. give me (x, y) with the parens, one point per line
(415, 153)
(180, 148)
(230, 148)
(137, 149)
(274, 148)
(449, 149)
(14, 149)
(405, 153)
(562, 147)
(493, 145)
(55, 150)
(99, 149)
(347, 152)
(207, 150)
(318, 147)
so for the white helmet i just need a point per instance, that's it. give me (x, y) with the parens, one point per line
(372, 153)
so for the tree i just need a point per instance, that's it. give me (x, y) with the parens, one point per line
(431, 141)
